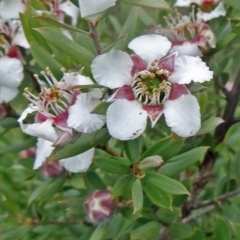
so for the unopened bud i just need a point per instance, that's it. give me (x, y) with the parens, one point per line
(52, 169)
(3, 112)
(28, 153)
(99, 207)
(151, 162)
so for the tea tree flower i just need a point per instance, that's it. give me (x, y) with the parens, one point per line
(90, 7)
(150, 84)
(59, 108)
(209, 9)
(99, 207)
(189, 36)
(11, 8)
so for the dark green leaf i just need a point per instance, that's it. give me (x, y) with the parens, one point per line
(93, 179)
(166, 148)
(180, 230)
(159, 4)
(132, 149)
(146, 231)
(209, 125)
(112, 165)
(101, 108)
(8, 123)
(78, 53)
(179, 163)
(98, 232)
(157, 195)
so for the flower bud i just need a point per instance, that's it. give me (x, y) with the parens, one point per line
(28, 153)
(3, 112)
(99, 207)
(52, 169)
(151, 162)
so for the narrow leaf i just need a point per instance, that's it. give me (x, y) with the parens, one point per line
(179, 163)
(209, 125)
(159, 4)
(112, 165)
(101, 108)
(137, 196)
(123, 185)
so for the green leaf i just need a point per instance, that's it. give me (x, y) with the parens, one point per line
(132, 149)
(146, 231)
(236, 229)
(167, 216)
(38, 191)
(197, 235)
(112, 165)
(93, 179)
(81, 145)
(158, 4)
(128, 29)
(222, 229)
(98, 232)
(123, 185)
(180, 230)
(226, 40)
(167, 184)
(19, 146)
(157, 195)
(233, 3)
(61, 25)
(45, 59)
(101, 108)
(179, 163)
(8, 123)
(166, 148)
(78, 53)
(209, 125)
(137, 196)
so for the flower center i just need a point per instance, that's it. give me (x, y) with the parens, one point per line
(151, 87)
(52, 101)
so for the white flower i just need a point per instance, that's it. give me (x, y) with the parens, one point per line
(90, 7)
(189, 36)
(150, 84)
(209, 8)
(11, 75)
(78, 163)
(11, 8)
(61, 108)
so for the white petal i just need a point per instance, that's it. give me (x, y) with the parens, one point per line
(71, 10)
(79, 163)
(80, 116)
(183, 115)
(90, 7)
(44, 149)
(20, 39)
(126, 119)
(11, 9)
(217, 12)
(113, 69)
(188, 68)
(150, 47)
(187, 48)
(186, 3)
(11, 72)
(43, 130)
(7, 94)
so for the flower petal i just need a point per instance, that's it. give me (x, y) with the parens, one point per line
(126, 119)
(71, 10)
(186, 3)
(11, 9)
(44, 149)
(20, 39)
(11, 72)
(113, 69)
(124, 92)
(150, 47)
(177, 90)
(7, 94)
(187, 48)
(183, 115)
(79, 163)
(139, 64)
(168, 62)
(80, 116)
(90, 7)
(217, 12)
(188, 68)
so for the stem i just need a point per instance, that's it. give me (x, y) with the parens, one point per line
(94, 35)
(221, 199)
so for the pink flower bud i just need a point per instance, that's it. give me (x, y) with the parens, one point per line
(28, 153)
(3, 112)
(99, 207)
(52, 169)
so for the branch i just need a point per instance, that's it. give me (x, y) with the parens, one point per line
(221, 199)
(95, 37)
